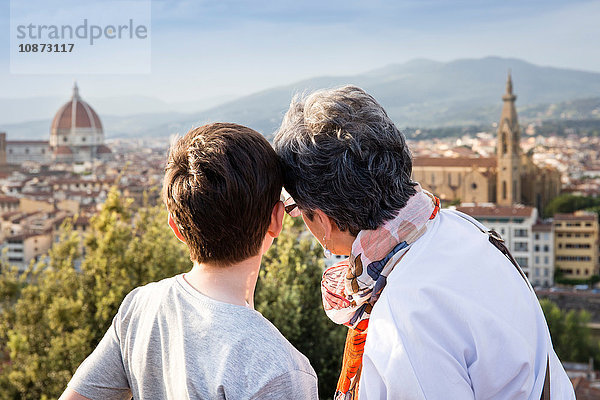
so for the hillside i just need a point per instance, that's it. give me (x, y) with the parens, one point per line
(420, 93)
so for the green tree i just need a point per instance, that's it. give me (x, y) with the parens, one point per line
(570, 334)
(288, 294)
(568, 203)
(54, 314)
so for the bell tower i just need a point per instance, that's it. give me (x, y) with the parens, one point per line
(508, 187)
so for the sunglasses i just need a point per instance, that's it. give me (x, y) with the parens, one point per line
(290, 206)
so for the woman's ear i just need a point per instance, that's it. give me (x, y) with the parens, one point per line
(175, 229)
(326, 223)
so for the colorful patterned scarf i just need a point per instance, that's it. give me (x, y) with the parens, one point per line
(350, 289)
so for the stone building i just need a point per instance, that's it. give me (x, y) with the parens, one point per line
(20, 151)
(76, 136)
(542, 271)
(511, 177)
(469, 179)
(576, 244)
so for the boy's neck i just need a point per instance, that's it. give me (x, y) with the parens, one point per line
(232, 284)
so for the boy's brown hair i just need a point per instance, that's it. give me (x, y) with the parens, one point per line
(221, 183)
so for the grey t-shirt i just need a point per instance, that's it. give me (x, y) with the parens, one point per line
(169, 341)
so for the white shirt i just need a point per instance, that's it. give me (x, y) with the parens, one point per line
(457, 321)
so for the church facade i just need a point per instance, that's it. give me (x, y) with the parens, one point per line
(509, 178)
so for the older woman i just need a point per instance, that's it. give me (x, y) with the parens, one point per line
(435, 310)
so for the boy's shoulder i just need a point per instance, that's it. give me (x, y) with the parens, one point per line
(208, 324)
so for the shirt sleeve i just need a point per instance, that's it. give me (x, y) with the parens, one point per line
(102, 374)
(294, 385)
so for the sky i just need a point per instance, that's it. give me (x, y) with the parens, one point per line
(215, 50)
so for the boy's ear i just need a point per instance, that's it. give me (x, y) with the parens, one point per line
(276, 220)
(175, 229)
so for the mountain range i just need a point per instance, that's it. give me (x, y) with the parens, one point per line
(419, 93)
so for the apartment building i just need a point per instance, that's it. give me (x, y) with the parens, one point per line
(515, 225)
(576, 244)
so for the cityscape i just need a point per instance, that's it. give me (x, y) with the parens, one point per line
(505, 177)
(43, 182)
(499, 104)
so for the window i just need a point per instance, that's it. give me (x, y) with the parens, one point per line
(521, 233)
(567, 271)
(537, 272)
(546, 260)
(546, 248)
(588, 224)
(560, 235)
(573, 258)
(546, 272)
(577, 246)
(537, 236)
(520, 246)
(537, 259)
(522, 261)
(473, 186)
(536, 248)
(64, 139)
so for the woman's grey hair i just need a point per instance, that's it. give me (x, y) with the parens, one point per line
(343, 155)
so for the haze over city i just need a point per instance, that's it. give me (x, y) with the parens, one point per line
(204, 53)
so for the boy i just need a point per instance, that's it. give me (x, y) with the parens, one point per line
(196, 335)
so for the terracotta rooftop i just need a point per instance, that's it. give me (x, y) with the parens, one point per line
(497, 211)
(68, 181)
(9, 199)
(575, 217)
(63, 150)
(76, 113)
(541, 227)
(103, 149)
(480, 162)
(7, 215)
(82, 220)
(30, 142)
(583, 390)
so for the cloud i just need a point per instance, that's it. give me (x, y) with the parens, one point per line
(224, 47)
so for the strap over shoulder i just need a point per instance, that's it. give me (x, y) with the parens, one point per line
(499, 243)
